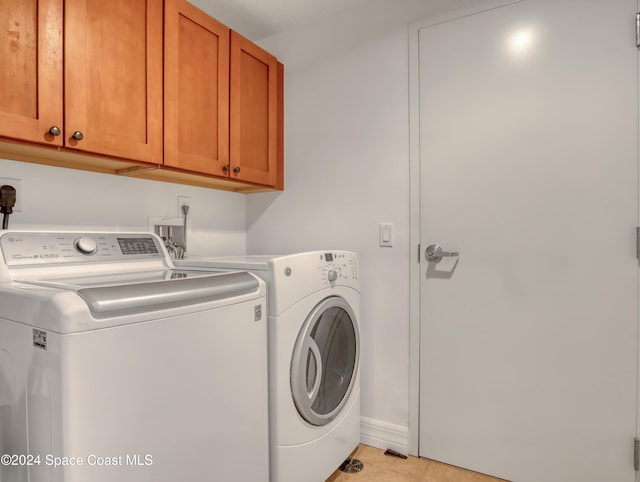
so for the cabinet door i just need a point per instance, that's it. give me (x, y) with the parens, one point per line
(113, 77)
(196, 91)
(254, 113)
(31, 72)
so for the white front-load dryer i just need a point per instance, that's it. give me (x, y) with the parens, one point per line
(313, 301)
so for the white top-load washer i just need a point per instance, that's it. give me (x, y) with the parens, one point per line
(115, 366)
(313, 302)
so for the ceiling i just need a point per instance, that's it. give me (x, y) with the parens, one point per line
(258, 19)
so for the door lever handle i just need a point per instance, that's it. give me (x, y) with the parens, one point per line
(434, 253)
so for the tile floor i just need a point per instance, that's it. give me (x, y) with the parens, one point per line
(384, 468)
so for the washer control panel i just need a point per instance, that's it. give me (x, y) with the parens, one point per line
(28, 248)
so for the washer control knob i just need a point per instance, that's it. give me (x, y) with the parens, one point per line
(332, 275)
(86, 246)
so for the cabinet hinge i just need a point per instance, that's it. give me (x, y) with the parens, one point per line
(638, 30)
(419, 249)
(638, 242)
(636, 454)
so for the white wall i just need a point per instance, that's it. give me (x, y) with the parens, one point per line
(347, 170)
(59, 198)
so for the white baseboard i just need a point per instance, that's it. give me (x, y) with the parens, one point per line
(384, 435)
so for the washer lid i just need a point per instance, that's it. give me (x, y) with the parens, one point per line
(77, 282)
(129, 293)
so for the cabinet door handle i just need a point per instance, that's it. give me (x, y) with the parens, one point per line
(54, 131)
(226, 168)
(77, 135)
(236, 170)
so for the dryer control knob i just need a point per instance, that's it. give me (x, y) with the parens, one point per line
(86, 245)
(332, 275)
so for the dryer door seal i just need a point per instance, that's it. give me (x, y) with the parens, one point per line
(325, 361)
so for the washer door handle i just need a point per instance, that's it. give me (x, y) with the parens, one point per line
(315, 351)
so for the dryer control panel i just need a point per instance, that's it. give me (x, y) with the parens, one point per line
(338, 266)
(28, 248)
(324, 273)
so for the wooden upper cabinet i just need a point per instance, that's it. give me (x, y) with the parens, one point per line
(196, 90)
(255, 125)
(113, 77)
(133, 85)
(222, 100)
(31, 70)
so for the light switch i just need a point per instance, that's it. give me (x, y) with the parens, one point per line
(386, 234)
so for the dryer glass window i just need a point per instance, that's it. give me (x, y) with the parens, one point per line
(325, 361)
(335, 336)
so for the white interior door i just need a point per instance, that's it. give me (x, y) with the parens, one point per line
(529, 169)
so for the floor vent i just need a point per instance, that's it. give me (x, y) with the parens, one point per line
(351, 466)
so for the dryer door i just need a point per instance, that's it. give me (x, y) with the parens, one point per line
(325, 361)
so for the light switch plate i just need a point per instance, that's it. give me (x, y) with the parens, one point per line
(386, 235)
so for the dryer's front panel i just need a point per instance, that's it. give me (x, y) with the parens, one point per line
(325, 361)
